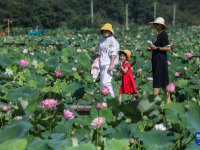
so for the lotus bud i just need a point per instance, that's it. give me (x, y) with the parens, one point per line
(177, 74)
(30, 117)
(75, 61)
(99, 106)
(124, 148)
(194, 99)
(186, 107)
(86, 136)
(104, 91)
(170, 88)
(131, 140)
(93, 100)
(72, 133)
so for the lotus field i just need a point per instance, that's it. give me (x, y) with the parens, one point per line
(40, 79)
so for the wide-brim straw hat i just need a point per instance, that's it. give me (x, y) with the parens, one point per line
(108, 27)
(127, 52)
(159, 20)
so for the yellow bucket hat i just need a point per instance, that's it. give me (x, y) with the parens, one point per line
(108, 27)
(127, 52)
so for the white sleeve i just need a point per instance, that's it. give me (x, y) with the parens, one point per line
(113, 48)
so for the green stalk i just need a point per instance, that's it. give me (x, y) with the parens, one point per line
(69, 129)
(139, 145)
(1, 125)
(182, 131)
(97, 138)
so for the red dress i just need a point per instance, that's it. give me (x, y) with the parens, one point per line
(128, 82)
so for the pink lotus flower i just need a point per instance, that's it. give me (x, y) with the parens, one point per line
(97, 122)
(188, 55)
(185, 68)
(85, 136)
(169, 63)
(104, 91)
(176, 55)
(177, 74)
(139, 71)
(23, 62)
(93, 100)
(99, 106)
(49, 103)
(58, 73)
(72, 133)
(18, 118)
(30, 117)
(131, 140)
(68, 115)
(25, 51)
(6, 107)
(170, 88)
(75, 61)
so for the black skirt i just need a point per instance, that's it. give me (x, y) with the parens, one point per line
(159, 62)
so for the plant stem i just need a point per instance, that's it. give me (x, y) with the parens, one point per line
(97, 138)
(139, 144)
(185, 120)
(182, 131)
(69, 129)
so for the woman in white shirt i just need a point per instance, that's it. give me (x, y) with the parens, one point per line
(109, 58)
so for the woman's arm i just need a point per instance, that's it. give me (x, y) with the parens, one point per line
(116, 70)
(153, 47)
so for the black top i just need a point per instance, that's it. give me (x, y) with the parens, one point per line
(159, 62)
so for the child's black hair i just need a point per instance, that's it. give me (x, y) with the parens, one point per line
(121, 52)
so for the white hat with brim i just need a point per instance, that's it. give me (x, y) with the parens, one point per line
(159, 20)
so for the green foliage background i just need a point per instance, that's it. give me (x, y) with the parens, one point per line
(77, 13)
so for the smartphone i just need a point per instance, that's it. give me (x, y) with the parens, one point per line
(95, 56)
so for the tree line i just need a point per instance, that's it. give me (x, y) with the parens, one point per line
(77, 13)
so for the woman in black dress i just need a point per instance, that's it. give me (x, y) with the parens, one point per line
(159, 57)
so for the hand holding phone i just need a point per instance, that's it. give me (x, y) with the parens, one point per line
(95, 56)
(150, 43)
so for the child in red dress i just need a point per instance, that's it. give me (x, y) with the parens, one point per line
(128, 83)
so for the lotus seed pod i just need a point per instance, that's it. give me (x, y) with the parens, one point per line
(186, 107)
